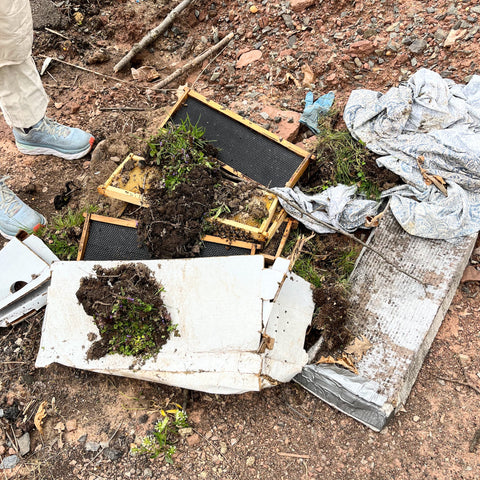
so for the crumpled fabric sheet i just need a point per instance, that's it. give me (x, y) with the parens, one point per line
(337, 206)
(435, 118)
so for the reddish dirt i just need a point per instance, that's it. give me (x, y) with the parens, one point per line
(283, 432)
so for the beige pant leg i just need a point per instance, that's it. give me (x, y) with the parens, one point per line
(22, 96)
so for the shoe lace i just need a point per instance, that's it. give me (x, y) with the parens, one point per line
(8, 200)
(51, 127)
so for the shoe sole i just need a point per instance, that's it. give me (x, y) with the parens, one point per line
(35, 150)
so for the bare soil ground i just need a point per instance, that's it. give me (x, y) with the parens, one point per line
(279, 433)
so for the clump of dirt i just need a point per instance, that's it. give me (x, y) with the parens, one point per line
(332, 259)
(333, 310)
(342, 159)
(240, 198)
(172, 224)
(126, 305)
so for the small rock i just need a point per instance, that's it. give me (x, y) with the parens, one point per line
(288, 21)
(365, 47)
(193, 440)
(148, 473)
(416, 418)
(453, 36)
(1, 412)
(71, 425)
(112, 454)
(250, 461)
(24, 444)
(418, 46)
(440, 35)
(92, 446)
(9, 462)
(248, 57)
(301, 5)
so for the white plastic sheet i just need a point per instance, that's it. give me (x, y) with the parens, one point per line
(439, 121)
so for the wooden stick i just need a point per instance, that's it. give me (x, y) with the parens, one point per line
(293, 455)
(193, 62)
(123, 109)
(151, 36)
(460, 382)
(90, 71)
(56, 33)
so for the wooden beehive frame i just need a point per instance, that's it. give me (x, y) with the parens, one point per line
(275, 215)
(89, 217)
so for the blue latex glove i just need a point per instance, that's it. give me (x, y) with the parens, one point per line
(314, 109)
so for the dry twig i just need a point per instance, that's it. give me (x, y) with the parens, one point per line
(151, 36)
(91, 71)
(459, 382)
(193, 62)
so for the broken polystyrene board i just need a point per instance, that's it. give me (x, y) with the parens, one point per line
(398, 315)
(217, 304)
(24, 280)
(293, 302)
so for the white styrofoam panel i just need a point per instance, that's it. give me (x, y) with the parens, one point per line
(217, 305)
(399, 315)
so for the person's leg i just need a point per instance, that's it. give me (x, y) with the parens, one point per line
(22, 97)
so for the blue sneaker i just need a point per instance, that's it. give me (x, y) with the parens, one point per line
(16, 215)
(48, 137)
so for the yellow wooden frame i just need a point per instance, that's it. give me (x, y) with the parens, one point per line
(124, 222)
(274, 219)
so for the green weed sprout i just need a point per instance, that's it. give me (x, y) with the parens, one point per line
(162, 440)
(63, 232)
(177, 150)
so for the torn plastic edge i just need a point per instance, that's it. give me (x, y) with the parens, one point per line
(32, 297)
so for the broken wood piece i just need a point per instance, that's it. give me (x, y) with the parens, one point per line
(193, 62)
(39, 416)
(151, 36)
(285, 236)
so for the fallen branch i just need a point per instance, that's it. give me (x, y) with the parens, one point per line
(193, 62)
(343, 232)
(151, 36)
(90, 71)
